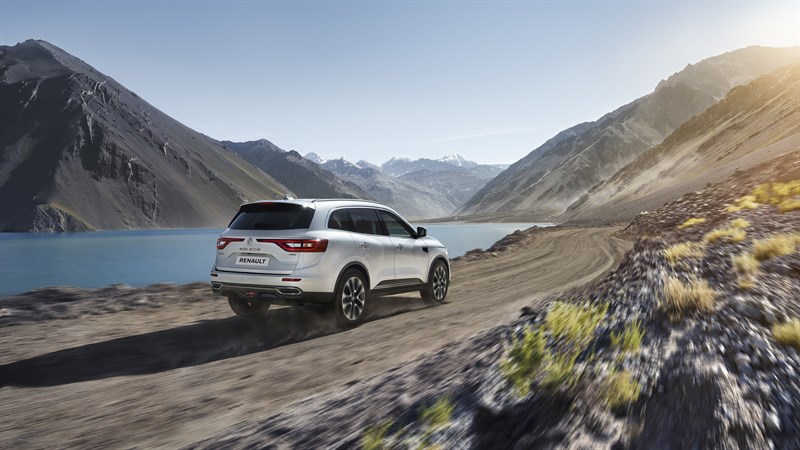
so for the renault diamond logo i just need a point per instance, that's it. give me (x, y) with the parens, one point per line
(249, 241)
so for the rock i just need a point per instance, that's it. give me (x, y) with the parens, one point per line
(772, 422)
(742, 362)
(748, 310)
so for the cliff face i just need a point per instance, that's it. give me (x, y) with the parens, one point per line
(80, 151)
(561, 171)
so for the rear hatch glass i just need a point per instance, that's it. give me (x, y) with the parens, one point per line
(272, 216)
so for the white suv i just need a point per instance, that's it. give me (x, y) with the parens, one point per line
(295, 252)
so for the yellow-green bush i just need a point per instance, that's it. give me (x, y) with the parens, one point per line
(524, 360)
(574, 323)
(620, 390)
(439, 414)
(788, 333)
(559, 371)
(746, 202)
(683, 250)
(775, 193)
(740, 222)
(730, 234)
(745, 264)
(682, 298)
(374, 438)
(629, 339)
(691, 222)
(776, 245)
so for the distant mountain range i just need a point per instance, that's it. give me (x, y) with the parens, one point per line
(561, 171)
(80, 151)
(401, 181)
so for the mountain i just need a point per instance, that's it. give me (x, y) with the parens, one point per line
(315, 158)
(80, 152)
(401, 165)
(555, 175)
(303, 177)
(752, 124)
(413, 200)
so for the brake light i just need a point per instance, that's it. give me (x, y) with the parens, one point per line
(299, 245)
(224, 241)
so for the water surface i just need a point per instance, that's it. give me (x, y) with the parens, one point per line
(142, 257)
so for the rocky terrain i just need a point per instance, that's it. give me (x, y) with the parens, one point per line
(672, 349)
(563, 169)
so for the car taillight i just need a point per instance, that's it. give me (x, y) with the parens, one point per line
(299, 245)
(224, 241)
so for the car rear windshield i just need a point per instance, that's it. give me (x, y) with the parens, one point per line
(272, 216)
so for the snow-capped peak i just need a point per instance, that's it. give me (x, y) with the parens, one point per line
(400, 158)
(315, 158)
(457, 159)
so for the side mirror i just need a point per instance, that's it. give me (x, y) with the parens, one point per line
(421, 232)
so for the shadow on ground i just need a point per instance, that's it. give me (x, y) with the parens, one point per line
(188, 345)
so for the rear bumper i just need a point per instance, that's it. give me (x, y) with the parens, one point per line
(287, 295)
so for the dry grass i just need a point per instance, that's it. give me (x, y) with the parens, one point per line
(374, 438)
(740, 223)
(788, 333)
(630, 339)
(681, 299)
(790, 204)
(524, 359)
(574, 323)
(439, 414)
(746, 202)
(776, 193)
(776, 245)
(684, 250)
(730, 234)
(691, 222)
(745, 264)
(620, 390)
(746, 283)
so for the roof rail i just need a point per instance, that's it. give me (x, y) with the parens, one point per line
(341, 200)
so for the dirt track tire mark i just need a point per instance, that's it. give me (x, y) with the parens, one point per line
(175, 403)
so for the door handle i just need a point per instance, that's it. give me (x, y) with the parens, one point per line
(400, 246)
(364, 245)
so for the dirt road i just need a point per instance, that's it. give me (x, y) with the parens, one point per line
(174, 374)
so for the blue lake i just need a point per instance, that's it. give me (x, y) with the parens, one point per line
(142, 257)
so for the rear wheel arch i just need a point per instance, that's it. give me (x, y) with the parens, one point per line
(353, 265)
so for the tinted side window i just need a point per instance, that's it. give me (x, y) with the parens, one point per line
(395, 226)
(366, 221)
(272, 216)
(340, 220)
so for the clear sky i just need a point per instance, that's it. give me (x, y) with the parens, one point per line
(368, 80)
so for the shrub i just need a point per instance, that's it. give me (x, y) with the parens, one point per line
(790, 204)
(776, 245)
(374, 438)
(691, 222)
(746, 283)
(746, 202)
(740, 222)
(788, 333)
(680, 299)
(560, 371)
(439, 414)
(730, 234)
(574, 323)
(684, 250)
(524, 360)
(745, 264)
(620, 390)
(776, 193)
(629, 339)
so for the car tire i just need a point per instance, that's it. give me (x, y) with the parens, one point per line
(248, 309)
(350, 301)
(438, 284)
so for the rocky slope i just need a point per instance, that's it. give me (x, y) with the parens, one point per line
(559, 172)
(616, 364)
(752, 124)
(303, 177)
(80, 151)
(413, 200)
